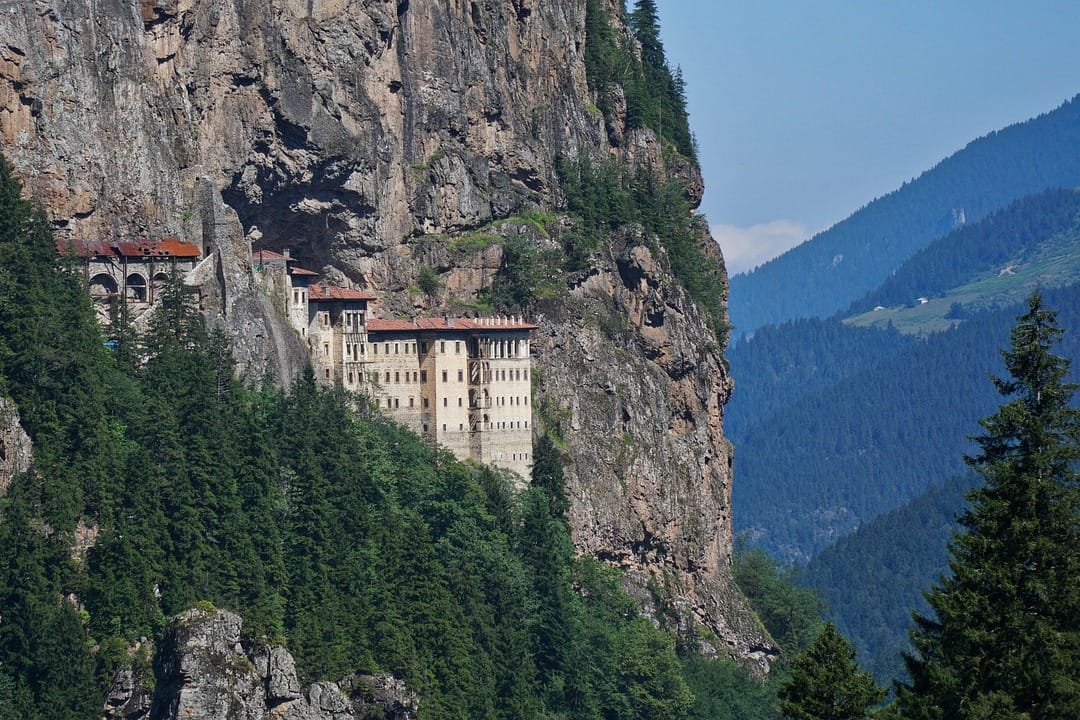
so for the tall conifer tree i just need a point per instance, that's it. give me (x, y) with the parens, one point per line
(827, 684)
(1004, 641)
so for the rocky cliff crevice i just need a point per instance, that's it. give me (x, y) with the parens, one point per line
(16, 449)
(363, 136)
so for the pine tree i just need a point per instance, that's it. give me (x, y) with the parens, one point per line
(827, 684)
(1004, 641)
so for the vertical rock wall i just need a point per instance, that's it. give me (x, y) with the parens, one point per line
(358, 134)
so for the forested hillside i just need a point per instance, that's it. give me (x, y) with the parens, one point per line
(1002, 245)
(785, 363)
(874, 578)
(875, 440)
(161, 482)
(838, 266)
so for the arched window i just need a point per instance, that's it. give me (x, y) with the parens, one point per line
(136, 287)
(102, 286)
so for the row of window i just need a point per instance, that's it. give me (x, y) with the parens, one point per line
(395, 403)
(504, 425)
(421, 375)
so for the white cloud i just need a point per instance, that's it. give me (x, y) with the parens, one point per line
(747, 247)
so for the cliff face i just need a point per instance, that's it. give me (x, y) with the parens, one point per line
(205, 668)
(363, 135)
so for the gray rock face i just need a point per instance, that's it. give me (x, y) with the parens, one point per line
(358, 134)
(205, 671)
(16, 450)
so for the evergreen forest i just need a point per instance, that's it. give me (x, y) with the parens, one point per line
(161, 482)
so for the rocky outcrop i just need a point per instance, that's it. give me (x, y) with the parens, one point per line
(364, 136)
(636, 383)
(205, 669)
(16, 450)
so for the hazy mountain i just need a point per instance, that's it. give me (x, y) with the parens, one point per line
(838, 266)
(874, 438)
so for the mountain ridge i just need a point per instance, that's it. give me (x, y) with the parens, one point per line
(839, 265)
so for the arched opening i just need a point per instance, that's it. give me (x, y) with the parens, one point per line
(102, 286)
(136, 287)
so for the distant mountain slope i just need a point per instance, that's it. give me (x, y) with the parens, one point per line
(1008, 236)
(989, 264)
(871, 442)
(838, 266)
(784, 363)
(873, 578)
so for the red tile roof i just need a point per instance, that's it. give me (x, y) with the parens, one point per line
(439, 324)
(302, 271)
(267, 255)
(169, 247)
(329, 293)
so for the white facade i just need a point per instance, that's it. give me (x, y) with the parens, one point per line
(460, 383)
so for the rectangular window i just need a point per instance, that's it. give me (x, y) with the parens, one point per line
(410, 402)
(460, 375)
(395, 348)
(444, 376)
(442, 346)
(444, 401)
(459, 402)
(423, 376)
(397, 377)
(425, 427)
(388, 377)
(457, 347)
(374, 349)
(425, 402)
(386, 347)
(423, 347)
(327, 373)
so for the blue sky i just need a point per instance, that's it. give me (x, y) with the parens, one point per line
(805, 111)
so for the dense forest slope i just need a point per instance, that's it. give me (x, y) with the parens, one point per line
(160, 482)
(788, 362)
(838, 266)
(872, 579)
(983, 266)
(386, 142)
(877, 438)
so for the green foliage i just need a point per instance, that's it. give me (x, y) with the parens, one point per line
(527, 273)
(871, 438)
(723, 690)
(791, 614)
(1013, 235)
(608, 196)
(428, 281)
(654, 96)
(1002, 638)
(826, 683)
(873, 578)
